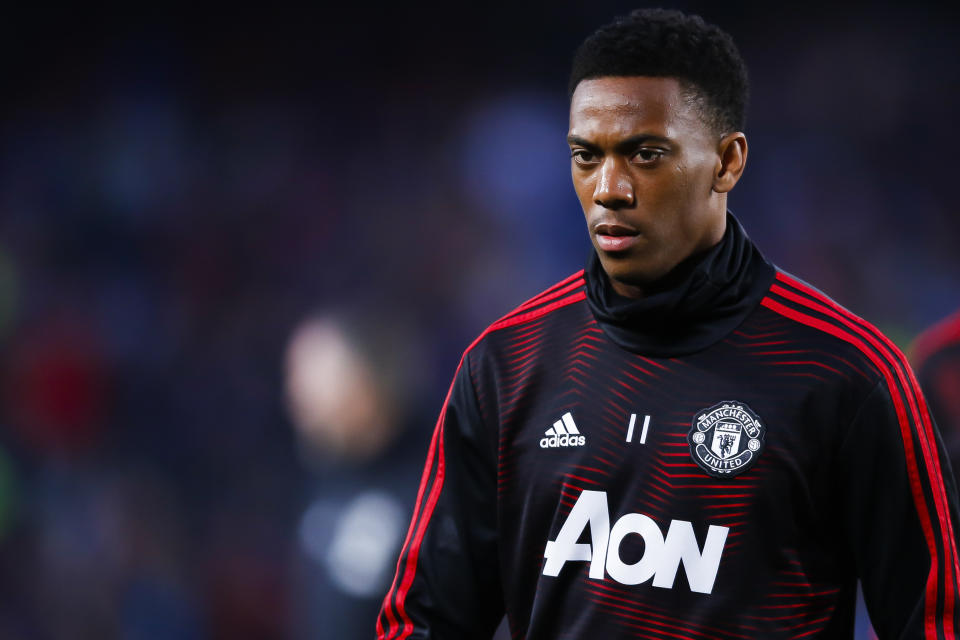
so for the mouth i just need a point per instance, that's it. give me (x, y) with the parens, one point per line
(613, 237)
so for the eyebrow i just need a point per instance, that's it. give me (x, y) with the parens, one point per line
(624, 145)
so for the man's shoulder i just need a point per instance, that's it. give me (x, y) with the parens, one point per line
(819, 323)
(523, 318)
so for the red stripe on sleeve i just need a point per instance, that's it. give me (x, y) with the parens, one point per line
(424, 483)
(921, 417)
(414, 552)
(906, 435)
(418, 525)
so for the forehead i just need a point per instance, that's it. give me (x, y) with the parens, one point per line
(624, 106)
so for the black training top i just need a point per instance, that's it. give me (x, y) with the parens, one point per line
(721, 459)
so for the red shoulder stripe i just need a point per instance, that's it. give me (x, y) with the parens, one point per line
(561, 288)
(914, 385)
(549, 290)
(510, 320)
(418, 525)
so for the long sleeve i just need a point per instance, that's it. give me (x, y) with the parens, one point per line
(447, 584)
(899, 513)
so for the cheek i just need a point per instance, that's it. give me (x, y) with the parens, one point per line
(664, 194)
(671, 199)
(688, 187)
(698, 173)
(583, 186)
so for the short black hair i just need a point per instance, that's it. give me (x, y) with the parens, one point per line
(672, 44)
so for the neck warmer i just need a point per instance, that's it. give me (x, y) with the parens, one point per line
(697, 304)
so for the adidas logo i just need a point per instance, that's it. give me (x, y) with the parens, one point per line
(563, 433)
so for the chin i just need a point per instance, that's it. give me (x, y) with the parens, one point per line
(626, 271)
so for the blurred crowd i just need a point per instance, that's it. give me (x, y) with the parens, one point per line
(240, 256)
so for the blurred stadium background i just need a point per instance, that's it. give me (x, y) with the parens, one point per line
(241, 251)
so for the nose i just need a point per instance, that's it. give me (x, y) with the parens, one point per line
(614, 189)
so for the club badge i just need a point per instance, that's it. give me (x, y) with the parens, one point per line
(726, 439)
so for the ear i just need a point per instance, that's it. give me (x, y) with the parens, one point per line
(731, 160)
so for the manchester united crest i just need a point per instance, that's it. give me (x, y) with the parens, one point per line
(726, 439)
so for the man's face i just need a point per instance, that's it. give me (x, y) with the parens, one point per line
(643, 164)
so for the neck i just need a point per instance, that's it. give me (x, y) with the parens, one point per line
(695, 305)
(626, 290)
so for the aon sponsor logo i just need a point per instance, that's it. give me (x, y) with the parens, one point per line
(662, 555)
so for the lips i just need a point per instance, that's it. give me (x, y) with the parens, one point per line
(613, 236)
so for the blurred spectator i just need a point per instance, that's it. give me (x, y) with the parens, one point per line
(346, 382)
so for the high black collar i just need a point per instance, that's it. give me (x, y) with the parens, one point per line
(697, 304)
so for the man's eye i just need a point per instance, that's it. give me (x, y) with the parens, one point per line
(582, 156)
(648, 155)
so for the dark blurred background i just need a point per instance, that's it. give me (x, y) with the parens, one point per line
(241, 251)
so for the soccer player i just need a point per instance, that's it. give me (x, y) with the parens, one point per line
(681, 440)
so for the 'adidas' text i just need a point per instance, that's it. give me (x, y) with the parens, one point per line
(563, 433)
